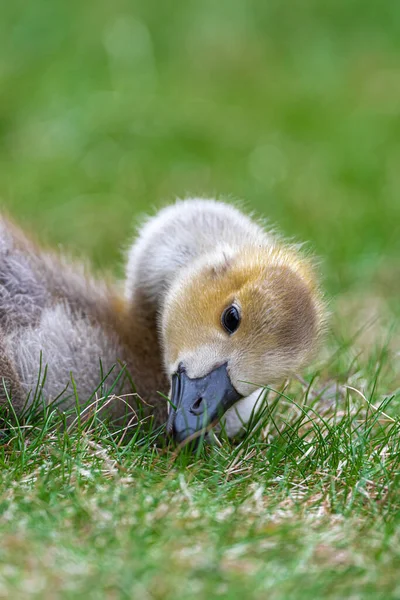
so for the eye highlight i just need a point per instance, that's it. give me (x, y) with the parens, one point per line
(231, 319)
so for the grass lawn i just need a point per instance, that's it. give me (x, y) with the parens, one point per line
(110, 108)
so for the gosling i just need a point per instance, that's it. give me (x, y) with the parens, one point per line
(214, 309)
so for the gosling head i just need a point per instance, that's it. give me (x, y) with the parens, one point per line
(234, 321)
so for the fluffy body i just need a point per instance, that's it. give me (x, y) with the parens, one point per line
(189, 262)
(54, 314)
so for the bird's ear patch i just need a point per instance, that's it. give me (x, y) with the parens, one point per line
(222, 263)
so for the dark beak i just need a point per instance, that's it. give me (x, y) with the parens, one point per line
(199, 402)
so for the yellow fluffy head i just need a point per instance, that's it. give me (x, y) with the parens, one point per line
(281, 313)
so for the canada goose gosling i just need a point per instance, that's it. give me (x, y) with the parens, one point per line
(214, 308)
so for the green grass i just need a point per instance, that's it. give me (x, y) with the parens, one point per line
(108, 109)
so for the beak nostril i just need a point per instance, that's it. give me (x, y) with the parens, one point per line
(197, 406)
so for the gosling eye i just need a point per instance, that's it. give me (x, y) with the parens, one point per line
(231, 319)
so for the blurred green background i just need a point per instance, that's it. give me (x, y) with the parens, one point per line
(110, 108)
